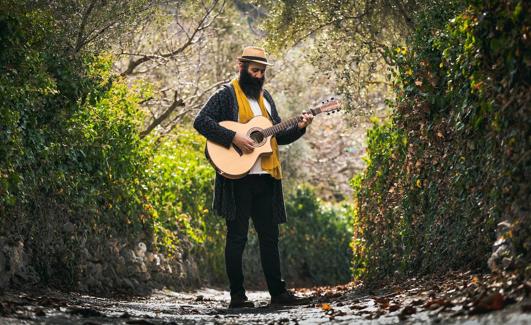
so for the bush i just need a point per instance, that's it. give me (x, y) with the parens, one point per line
(71, 156)
(450, 164)
(314, 243)
(75, 176)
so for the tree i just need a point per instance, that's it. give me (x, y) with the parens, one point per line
(351, 41)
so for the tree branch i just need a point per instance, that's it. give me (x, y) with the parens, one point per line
(133, 64)
(331, 22)
(116, 20)
(176, 103)
(86, 14)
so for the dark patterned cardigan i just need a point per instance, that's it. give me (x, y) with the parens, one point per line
(222, 106)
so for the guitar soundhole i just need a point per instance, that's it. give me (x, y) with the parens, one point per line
(257, 136)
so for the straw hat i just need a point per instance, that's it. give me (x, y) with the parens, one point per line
(254, 54)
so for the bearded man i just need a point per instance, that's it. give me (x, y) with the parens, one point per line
(259, 194)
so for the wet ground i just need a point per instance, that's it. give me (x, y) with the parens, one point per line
(464, 299)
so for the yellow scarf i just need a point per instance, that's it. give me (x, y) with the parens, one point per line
(270, 163)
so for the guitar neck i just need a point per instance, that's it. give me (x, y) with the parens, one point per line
(281, 126)
(275, 129)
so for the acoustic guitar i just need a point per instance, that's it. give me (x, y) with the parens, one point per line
(233, 163)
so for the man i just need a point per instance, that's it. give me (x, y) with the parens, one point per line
(259, 194)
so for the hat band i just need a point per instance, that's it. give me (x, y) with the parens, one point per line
(249, 57)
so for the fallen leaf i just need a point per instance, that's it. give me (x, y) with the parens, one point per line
(489, 303)
(381, 300)
(408, 310)
(393, 308)
(139, 322)
(340, 313)
(417, 302)
(39, 312)
(440, 302)
(326, 307)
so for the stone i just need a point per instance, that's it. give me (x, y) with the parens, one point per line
(95, 270)
(143, 267)
(507, 263)
(156, 260)
(69, 227)
(128, 284)
(93, 283)
(127, 254)
(140, 249)
(150, 257)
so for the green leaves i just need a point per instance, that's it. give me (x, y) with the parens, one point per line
(430, 203)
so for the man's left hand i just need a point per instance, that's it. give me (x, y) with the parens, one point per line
(306, 119)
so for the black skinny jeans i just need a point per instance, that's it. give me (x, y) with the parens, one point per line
(254, 198)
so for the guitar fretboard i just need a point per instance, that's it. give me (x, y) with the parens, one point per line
(286, 124)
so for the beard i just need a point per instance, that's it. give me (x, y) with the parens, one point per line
(251, 86)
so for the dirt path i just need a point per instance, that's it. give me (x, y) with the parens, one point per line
(409, 303)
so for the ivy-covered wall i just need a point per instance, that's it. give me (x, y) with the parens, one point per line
(453, 160)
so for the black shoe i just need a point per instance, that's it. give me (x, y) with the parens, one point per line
(240, 302)
(287, 298)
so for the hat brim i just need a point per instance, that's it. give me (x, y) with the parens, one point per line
(256, 61)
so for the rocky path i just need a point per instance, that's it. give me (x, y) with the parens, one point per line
(465, 299)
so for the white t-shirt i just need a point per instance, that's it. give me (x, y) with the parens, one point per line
(255, 107)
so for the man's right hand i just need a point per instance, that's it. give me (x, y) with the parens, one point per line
(244, 143)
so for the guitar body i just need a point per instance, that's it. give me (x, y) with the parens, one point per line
(231, 162)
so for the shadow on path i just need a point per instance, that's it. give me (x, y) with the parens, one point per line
(456, 299)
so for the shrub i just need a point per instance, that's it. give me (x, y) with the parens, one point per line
(430, 201)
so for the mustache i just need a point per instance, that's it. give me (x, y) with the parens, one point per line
(250, 85)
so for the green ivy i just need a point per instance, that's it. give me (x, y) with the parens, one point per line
(450, 164)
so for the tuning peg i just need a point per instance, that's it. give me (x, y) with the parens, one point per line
(332, 98)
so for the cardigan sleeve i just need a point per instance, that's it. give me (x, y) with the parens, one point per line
(208, 118)
(288, 135)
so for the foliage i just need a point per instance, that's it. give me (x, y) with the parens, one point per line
(314, 245)
(96, 25)
(74, 173)
(349, 40)
(71, 155)
(179, 183)
(451, 163)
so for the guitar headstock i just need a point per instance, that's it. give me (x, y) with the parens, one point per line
(330, 105)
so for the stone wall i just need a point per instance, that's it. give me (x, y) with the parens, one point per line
(117, 267)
